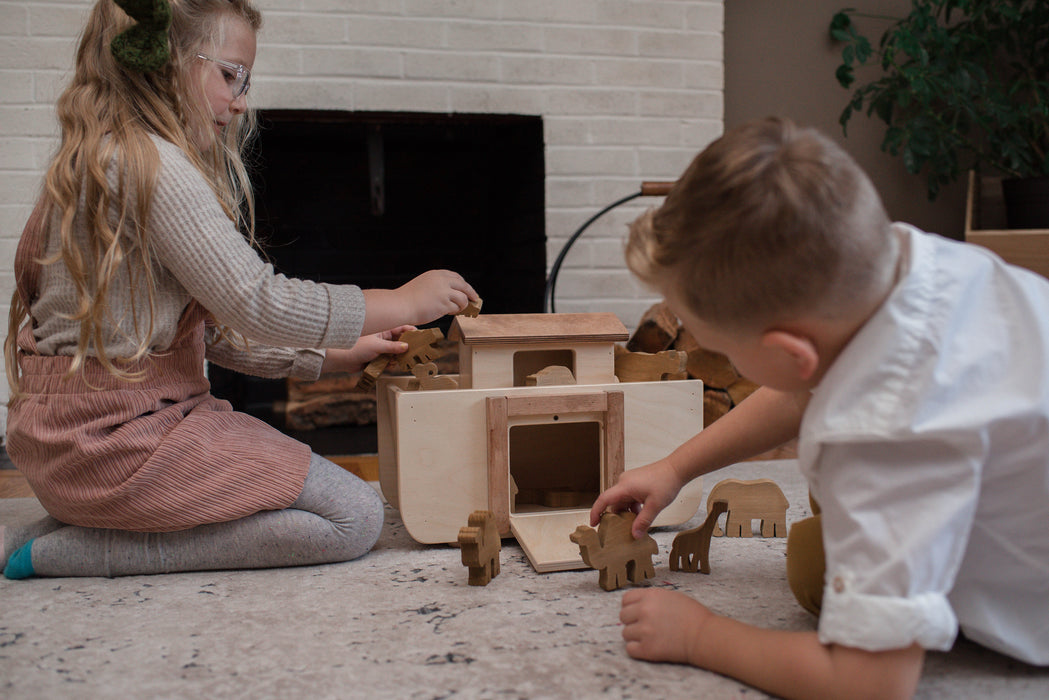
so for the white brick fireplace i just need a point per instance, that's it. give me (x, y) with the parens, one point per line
(628, 91)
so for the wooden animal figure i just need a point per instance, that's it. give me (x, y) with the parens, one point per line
(650, 367)
(420, 350)
(372, 371)
(613, 550)
(480, 545)
(472, 309)
(553, 375)
(691, 548)
(421, 347)
(427, 379)
(760, 499)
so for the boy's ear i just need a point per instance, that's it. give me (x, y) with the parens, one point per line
(799, 350)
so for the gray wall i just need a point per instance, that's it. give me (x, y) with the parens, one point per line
(779, 59)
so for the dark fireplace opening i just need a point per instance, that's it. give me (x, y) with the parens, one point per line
(374, 199)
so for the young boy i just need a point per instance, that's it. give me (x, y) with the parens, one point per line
(914, 371)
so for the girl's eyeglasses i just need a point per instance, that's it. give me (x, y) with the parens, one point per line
(239, 77)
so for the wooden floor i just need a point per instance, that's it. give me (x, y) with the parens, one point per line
(13, 484)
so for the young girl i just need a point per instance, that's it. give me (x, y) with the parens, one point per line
(132, 271)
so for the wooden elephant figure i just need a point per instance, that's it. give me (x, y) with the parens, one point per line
(760, 499)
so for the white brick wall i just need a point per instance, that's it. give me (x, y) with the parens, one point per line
(629, 90)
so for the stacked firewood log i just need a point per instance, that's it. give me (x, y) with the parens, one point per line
(335, 399)
(331, 400)
(723, 387)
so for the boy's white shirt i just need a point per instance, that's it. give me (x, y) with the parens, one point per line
(927, 447)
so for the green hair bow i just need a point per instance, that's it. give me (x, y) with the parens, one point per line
(143, 47)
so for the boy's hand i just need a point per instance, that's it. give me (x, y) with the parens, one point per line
(366, 349)
(661, 625)
(436, 293)
(646, 491)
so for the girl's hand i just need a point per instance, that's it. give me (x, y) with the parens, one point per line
(646, 491)
(434, 294)
(662, 625)
(366, 349)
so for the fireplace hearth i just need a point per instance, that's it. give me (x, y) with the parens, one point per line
(376, 198)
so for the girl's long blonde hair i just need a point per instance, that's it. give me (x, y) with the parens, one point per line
(107, 114)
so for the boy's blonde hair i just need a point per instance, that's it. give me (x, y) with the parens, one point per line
(770, 221)
(107, 114)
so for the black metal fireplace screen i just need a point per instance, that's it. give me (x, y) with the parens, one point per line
(374, 199)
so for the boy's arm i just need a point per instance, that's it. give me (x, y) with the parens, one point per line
(662, 625)
(797, 665)
(766, 419)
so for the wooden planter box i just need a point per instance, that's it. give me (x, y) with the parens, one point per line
(985, 226)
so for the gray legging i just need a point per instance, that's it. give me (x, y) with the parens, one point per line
(337, 517)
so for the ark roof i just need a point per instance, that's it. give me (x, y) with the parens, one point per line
(502, 329)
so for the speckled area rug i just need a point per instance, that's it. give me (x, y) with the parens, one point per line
(403, 623)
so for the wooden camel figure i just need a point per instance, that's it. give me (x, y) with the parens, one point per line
(613, 550)
(760, 499)
(691, 548)
(480, 545)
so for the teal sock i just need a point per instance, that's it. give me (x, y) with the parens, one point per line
(20, 563)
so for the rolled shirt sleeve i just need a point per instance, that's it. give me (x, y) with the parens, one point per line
(260, 360)
(896, 522)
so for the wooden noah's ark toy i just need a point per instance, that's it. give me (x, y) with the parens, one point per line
(531, 444)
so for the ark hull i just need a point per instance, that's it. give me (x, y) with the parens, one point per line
(539, 463)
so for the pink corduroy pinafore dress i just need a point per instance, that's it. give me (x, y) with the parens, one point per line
(154, 455)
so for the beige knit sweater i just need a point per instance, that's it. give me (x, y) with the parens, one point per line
(199, 254)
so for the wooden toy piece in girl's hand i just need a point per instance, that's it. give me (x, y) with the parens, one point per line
(421, 349)
(472, 308)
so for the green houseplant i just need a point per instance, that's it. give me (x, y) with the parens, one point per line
(963, 84)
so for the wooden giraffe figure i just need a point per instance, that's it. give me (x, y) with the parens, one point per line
(691, 548)
(480, 545)
(613, 550)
